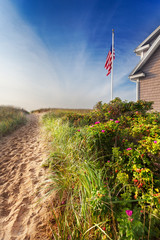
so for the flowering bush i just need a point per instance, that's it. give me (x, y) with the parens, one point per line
(116, 108)
(113, 171)
(104, 112)
(129, 149)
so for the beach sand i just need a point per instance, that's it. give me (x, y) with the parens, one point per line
(22, 216)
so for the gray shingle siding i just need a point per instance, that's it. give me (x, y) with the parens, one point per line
(150, 84)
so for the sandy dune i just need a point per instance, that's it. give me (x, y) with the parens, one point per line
(21, 155)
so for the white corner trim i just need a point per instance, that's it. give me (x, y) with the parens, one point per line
(137, 90)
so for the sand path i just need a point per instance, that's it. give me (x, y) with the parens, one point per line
(21, 174)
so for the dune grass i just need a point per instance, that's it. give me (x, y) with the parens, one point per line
(74, 179)
(10, 119)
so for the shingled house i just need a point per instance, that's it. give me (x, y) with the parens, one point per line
(147, 73)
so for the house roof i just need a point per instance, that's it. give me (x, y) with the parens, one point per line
(155, 33)
(150, 49)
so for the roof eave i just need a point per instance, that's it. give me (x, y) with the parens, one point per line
(149, 37)
(147, 56)
(141, 49)
(135, 77)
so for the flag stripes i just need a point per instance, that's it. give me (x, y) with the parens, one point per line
(108, 64)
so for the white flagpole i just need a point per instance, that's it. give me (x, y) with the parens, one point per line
(112, 65)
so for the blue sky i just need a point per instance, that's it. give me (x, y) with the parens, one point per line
(52, 52)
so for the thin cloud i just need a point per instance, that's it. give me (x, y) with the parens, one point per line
(32, 76)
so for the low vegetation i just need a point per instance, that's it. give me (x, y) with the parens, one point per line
(105, 169)
(10, 119)
(60, 110)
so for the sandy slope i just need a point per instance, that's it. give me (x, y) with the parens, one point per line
(21, 155)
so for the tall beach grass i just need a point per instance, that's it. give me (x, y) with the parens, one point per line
(76, 177)
(10, 119)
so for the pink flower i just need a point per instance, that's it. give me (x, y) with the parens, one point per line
(108, 161)
(103, 131)
(78, 130)
(97, 122)
(129, 213)
(130, 219)
(155, 141)
(117, 121)
(128, 149)
(109, 111)
(111, 119)
(92, 126)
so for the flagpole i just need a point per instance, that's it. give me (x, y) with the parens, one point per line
(112, 65)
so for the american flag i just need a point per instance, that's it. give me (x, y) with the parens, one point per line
(108, 64)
